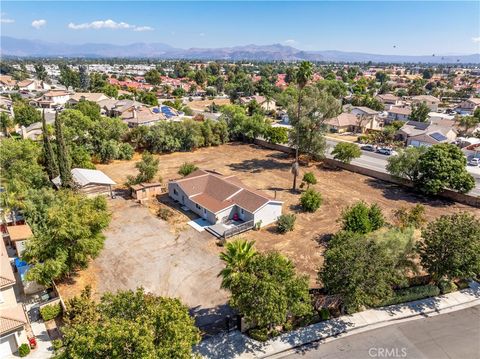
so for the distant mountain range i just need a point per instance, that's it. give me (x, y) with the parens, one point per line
(10, 46)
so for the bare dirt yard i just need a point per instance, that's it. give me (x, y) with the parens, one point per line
(202, 105)
(268, 171)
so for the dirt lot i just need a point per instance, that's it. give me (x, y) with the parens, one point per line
(269, 171)
(201, 105)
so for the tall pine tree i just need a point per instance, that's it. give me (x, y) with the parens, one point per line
(50, 163)
(62, 155)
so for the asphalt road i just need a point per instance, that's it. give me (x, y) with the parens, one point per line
(453, 335)
(376, 161)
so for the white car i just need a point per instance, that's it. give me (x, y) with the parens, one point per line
(474, 162)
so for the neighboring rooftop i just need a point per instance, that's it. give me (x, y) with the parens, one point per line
(83, 177)
(19, 232)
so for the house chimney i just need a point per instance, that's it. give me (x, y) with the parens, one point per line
(134, 111)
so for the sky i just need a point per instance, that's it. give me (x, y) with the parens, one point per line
(404, 28)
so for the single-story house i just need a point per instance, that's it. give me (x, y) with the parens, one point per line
(52, 98)
(418, 134)
(18, 236)
(267, 105)
(389, 100)
(145, 191)
(12, 316)
(87, 96)
(219, 199)
(399, 114)
(431, 101)
(469, 106)
(345, 122)
(141, 116)
(89, 182)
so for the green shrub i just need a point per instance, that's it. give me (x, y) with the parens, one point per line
(23, 350)
(447, 286)
(361, 218)
(259, 334)
(57, 344)
(309, 178)
(412, 293)
(345, 152)
(288, 326)
(186, 169)
(286, 223)
(462, 284)
(125, 151)
(49, 312)
(324, 314)
(311, 200)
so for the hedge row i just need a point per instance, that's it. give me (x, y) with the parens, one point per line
(411, 294)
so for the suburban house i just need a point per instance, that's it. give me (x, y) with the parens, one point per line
(267, 105)
(12, 316)
(18, 237)
(221, 199)
(367, 118)
(431, 101)
(87, 96)
(469, 106)
(89, 182)
(27, 85)
(52, 98)
(145, 191)
(345, 122)
(354, 122)
(7, 83)
(389, 100)
(141, 116)
(398, 114)
(418, 134)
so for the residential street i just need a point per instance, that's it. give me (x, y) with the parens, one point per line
(378, 162)
(452, 335)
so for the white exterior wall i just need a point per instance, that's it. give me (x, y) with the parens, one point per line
(268, 213)
(7, 297)
(20, 246)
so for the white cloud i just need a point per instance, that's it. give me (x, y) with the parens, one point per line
(290, 42)
(5, 20)
(476, 39)
(108, 24)
(143, 28)
(37, 24)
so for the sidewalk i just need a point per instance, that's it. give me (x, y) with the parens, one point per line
(237, 345)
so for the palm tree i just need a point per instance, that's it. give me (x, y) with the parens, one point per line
(302, 76)
(236, 256)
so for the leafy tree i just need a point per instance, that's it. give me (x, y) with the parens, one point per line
(443, 166)
(309, 178)
(64, 162)
(40, 71)
(345, 152)
(69, 77)
(83, 77)
(420, 112)
(186, 168)
(128, 324)
(359, 270)
(110, 91)
(20, 163)
(335, 88)
(277, 135)
(147, 169)
(286, 222)
(48, 154)
(148, 98)
(266, 291)
(406, 163)
(25, 114)
(468, 122)
(236, 256)
(450, 247)
(153, 77)
(6, 123)
(361, 218)
(89, 108)
(67, 233)
(382, 77)
(311, 200)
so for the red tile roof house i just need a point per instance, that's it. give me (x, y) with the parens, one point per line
(224, 199)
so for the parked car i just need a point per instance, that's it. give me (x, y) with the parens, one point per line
(474, 162)
(386, 151)
(370, 148)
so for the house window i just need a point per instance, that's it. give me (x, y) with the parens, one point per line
(198, 207)
(175, 192)
(204, 210)
(242, 211)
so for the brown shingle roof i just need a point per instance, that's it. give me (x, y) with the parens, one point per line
(342, 120)
(19, 232)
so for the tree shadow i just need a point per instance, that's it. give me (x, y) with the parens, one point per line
(214, 320)
(229, 346)
(397, 192)
(256, 165)
(296, 208)
(323, 239)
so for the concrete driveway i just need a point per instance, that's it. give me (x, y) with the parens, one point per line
(141, 250)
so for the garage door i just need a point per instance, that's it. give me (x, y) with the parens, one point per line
(8, 345)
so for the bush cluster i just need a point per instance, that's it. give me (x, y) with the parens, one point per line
(412, 293)
(23, 350)
(311, 200)
(50, 311)
(286, 223)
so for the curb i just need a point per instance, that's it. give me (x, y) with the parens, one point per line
(379, 324)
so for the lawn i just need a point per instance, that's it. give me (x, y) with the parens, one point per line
(269, 171)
